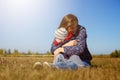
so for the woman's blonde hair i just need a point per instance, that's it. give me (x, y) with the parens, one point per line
(69, 21)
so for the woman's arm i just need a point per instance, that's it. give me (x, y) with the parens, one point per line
(62, 44)
(80, 46)
(54, 47)
(70, 43)
(60, 48)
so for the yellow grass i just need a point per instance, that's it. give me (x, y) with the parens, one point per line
(21, 68)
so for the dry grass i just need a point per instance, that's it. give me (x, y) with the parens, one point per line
(21, 68)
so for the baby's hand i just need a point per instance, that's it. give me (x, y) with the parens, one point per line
(58, 40)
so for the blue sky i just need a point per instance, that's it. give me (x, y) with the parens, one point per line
(30, 24)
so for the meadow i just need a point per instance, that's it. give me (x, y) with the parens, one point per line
(21, 68)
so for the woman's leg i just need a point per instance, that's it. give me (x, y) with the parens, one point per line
(76, 59)
(72, 65)
(62, 63)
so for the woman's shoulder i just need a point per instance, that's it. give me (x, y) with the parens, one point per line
(81, 27)
(81, 30)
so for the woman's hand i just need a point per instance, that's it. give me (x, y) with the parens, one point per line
(58, 50)
(70, 43)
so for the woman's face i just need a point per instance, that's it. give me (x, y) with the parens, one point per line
(73, 29)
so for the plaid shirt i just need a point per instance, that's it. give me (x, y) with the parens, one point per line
(79, 49)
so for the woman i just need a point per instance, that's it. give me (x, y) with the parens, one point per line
(75, 49)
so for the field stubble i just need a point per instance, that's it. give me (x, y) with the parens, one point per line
(21, 68)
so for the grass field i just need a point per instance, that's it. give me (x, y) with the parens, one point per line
(21, 68)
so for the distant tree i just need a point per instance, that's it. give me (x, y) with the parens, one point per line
(1, 51)
(48, 53)
(29, 52)
(9, 51)
(115, 53)
(37, 53)
(15, 53)
(5, 53)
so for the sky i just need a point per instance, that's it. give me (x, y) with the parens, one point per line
(30, 24)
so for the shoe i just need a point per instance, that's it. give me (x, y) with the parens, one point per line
(46, 64)
(37, 65)
(50, 65)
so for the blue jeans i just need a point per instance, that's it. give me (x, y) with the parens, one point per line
(72, 63)
(69, 65)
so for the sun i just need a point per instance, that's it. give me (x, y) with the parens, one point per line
(22, 13)
(19, 4)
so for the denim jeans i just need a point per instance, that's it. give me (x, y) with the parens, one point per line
(72, 63)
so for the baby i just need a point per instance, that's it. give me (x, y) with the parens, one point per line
(61, 35)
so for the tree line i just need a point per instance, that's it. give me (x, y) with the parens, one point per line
(115, 53)
(16, 52)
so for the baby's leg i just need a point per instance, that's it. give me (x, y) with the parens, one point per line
(59, 58)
